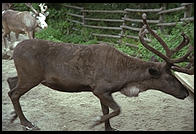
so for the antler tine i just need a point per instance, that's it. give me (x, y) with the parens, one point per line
(43, 7)
(31, 7)
(182, 44)
(191, 61)
(183, 58)
(167, 50)
(189, 71)
(142, 32)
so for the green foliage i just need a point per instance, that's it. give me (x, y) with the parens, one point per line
(126, 49)
(57, 14)
(49, 34)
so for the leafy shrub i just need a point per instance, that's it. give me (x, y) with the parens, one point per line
(126, 49)
(49, 34)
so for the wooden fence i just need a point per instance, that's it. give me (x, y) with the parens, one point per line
(82, 19)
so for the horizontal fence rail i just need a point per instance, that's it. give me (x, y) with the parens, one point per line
(103, 27)
(103, 11)
(83, 19)
(143, 10)
(140, 20)
(106, 35)
(107, 20)
(171, 10)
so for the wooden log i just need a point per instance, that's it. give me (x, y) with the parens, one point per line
(103, 27)
(130, 28)
(188, 10)
(143, 10)
(171, 10)
(161, 17)
(83, 18)
(131, 45)
(187, 19)
(75, 21)
(140, 20)
(123, 24)
(133, 28)
(136, 37)
(75, 15)
(74, 7)
(185, 4)
(168, 24)
(103, 11)
(107, 20)
(174, 23)
(106, 35)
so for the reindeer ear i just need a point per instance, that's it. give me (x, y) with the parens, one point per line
(154, 59)
(154, 72)
(46, 14)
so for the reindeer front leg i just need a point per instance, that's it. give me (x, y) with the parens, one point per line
(106, 102)
(30, 34)
(105, 110)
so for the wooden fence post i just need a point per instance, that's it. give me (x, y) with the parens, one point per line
(123, 29)
(84, 14)
(188, 9)
(161, 17)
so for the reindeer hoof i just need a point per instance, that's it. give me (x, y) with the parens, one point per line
(111, 129)
(98, 120)
(32, 128)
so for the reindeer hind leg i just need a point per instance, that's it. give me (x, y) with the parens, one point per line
(20, 89)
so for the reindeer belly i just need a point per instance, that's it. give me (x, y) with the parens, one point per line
(65, 85)
(16, 30)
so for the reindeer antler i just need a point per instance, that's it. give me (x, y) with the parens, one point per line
(43, 7)
(169, 52)
(31, 7)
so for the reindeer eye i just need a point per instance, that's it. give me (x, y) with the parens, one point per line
(154, 72)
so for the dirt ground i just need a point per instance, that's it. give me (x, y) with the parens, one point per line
(52, 110)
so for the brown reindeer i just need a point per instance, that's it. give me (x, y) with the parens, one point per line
(97, 68)
(23, 22)
(6, 6)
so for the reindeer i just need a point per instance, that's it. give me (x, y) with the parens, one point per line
(99, 68)
(6, 6)
(23, 22)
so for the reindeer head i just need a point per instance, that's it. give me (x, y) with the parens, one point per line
(162, 77)
(41, 17)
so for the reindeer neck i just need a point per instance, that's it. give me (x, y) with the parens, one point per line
(137, 69)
